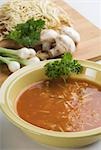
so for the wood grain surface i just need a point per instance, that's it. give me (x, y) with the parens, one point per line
(90, 44)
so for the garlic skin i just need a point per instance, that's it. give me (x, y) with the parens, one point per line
(71, 32)
(13, 66)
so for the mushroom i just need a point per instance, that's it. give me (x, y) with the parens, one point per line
(71, 32)
(63, 44)
(47, 37)
(42, 55)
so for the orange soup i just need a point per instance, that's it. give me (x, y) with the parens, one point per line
(67, 107)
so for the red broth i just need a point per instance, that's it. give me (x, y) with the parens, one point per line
(58, 106)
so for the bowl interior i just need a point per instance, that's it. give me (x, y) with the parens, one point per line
(18, 82)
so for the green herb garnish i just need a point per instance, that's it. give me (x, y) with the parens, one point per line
(27, 34)
(63, 68)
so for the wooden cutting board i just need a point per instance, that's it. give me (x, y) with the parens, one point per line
(90, 45)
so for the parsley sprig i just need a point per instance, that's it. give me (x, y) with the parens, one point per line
(27, 34)
(63, 68)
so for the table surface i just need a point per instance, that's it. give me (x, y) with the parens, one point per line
(11, 138)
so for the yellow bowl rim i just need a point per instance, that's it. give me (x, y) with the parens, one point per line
(34, 129)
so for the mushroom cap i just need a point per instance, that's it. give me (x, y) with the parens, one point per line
(65, 42)
(71, 32)
(48, 35)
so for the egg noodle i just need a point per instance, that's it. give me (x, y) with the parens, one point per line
(14, 12)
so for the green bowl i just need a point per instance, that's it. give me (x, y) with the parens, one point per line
(25, 77)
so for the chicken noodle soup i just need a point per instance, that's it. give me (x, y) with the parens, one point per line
(67, 107)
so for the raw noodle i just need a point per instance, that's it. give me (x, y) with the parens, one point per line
(19, 11)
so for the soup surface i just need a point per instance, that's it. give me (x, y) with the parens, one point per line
(58, 106)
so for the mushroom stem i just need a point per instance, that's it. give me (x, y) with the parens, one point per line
(46, 46)
(42, 55)
(54, 52)
(47, 37)
(63, 44)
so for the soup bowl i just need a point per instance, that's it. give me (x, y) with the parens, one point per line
(20, 80)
